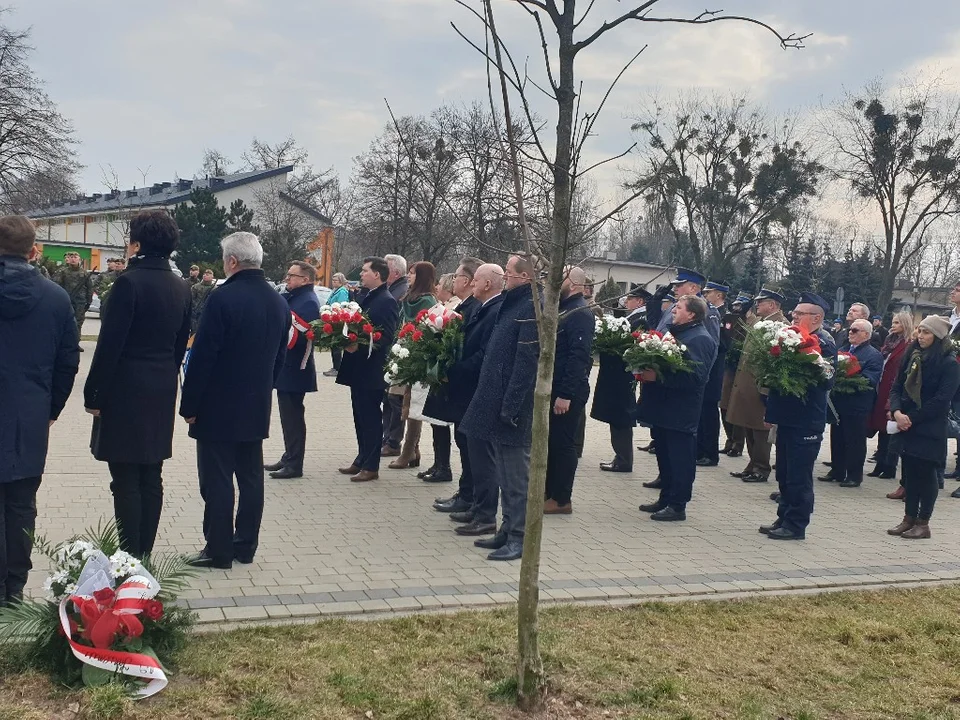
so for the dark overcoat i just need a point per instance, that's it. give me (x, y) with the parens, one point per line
(940, 377)
(357, 369)
(236, 358)
(302, 301)
(615, 396)
(39, 357)
(134, 376)
(502, 407)
(674, 402)
(871, 368)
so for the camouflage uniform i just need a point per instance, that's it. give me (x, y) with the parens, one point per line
(76, 281)
(199, 294)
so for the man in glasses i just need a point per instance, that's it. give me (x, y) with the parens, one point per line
(848, 438)
(299, 374)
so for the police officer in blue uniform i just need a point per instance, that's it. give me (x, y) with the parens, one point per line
(800, 423)
(708, 432)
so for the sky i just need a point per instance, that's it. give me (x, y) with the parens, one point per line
(149, 86)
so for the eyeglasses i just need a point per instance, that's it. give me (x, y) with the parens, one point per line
(801, 313)
(290, 275)
(463, 275)
(854, 330)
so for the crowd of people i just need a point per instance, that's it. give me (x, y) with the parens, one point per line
(247, 341)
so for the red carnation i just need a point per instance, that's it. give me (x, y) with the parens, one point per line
(775, 351)
(367, 328)
(352, 337)
(357, 317)
(422, 314)
(325, 316)
(153, 610)
(408, 328)
(377, 336)
(636, 333)
(417, 335)
(656, 333)
(328, 329)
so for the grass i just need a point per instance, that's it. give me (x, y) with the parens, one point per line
(890, 654)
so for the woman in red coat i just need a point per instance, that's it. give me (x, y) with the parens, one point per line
(901, 330)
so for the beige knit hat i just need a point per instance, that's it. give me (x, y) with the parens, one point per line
(939, 326)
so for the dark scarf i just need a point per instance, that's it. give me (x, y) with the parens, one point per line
(913, 384)
(891, 343)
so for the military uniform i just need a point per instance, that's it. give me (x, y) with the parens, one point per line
(800, 423)
(199, 294)
(733, 330)
(708, 431)
(76, 281)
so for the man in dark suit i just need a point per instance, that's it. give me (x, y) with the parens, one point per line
(848, 438)
(393, 424)
(236, 359)
(299, 374)
(38, 363)
(615, 396)
(571, 388)
(671, 406)
(476, 501)
(363, 373)
(499, 421)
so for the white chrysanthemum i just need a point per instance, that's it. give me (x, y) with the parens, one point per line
(396, 349)
(404, 353)
(394, 368)
(123, 564)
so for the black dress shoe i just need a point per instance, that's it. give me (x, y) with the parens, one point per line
(782, 533)
(615, 467)
(876, 472)
(274, 467)
(955, 493)
(849, 484)
(767, 529)
(955, 475)
(457, 505)
(654, 484)
(494, 543)
(475, 527)
(286, 474)
(755, 478)
(652, 507)
(827, 478)
(202, 560)
(512, 550)
(423, 474)
(445, 501)
(741, 475)
(735, 453)
(887, 475)
(775, 496)
(242, 558)
(707, 462)
(439, 475)
(466, 516)
(669, 514)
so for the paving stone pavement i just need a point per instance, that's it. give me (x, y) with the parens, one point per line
(332, 547)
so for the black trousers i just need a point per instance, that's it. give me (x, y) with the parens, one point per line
(581, 434)
(921, 484)
(797, 452)
(137, 503)
(336, 355)
(294, 429)
(466, 466)
(848, 447)
(677, 462)
(441, 445)
(366, 420)
(486, 487)
(218, 463)
(562, 455)
(734, 433)
(18, 520)
(392, 420)
(708, 432)
(886, 460)
(621, 439)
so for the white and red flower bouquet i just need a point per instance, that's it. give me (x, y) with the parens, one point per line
(343, 324)
(659, 352)
(849, 378)
(426, 348)
(107, 616)
(612, 336)
(785, 358)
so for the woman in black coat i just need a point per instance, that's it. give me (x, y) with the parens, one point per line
(132, 387)
(919, 403)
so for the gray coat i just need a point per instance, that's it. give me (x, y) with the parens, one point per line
(502, 407)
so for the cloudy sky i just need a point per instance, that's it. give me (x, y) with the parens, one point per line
(149, 86)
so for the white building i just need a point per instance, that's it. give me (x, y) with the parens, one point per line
(95, 225)
(627, 274)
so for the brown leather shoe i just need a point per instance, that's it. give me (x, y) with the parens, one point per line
(350, 470)
(920, 531)
(365, 476)
(551, 507)
(907, 523)
(898, 494)
(387, 451)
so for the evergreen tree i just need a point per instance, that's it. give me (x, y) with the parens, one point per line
(240, 218)
(609, 291)
(202, 223)
(752, 277)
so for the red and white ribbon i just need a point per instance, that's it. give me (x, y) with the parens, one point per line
(132, 598)
(300, 326)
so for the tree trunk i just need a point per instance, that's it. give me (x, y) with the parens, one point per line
(530, 678)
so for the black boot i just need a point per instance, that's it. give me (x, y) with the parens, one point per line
(440, 474)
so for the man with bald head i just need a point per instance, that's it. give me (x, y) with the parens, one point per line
(848, 438)
(475, 502)
(571, 388)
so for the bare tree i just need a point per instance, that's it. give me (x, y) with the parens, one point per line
(573, 128)
(215, 164)
(36, 142)
(899, 152)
